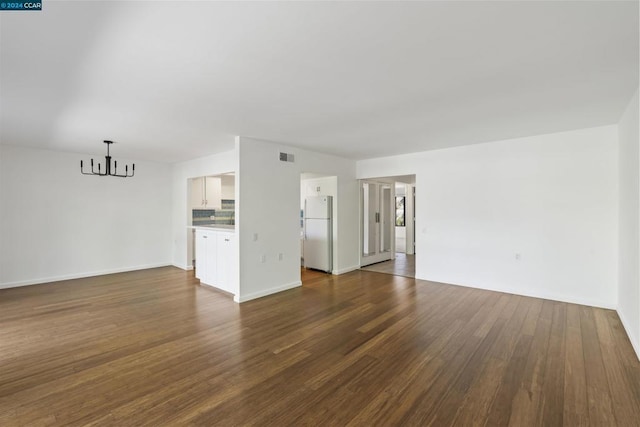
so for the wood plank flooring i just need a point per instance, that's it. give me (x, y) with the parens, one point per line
(401, 265)
(154, 348)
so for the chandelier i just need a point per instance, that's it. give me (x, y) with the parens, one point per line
(107, 168)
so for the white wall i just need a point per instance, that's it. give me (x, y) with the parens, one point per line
(56, 223)
(210, 165)
(629, 259)
(324, 186)
(401, 239)
(268, 204)
(550, 198)
(404, 235)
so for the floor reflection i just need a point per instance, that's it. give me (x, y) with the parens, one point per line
(402, 265)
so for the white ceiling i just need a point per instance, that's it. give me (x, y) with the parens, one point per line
(173, 81)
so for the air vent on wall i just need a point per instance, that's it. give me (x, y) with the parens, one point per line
(286, 157)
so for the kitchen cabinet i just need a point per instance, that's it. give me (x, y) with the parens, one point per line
(197, 193)
(215, 259)
(206, 192)
(228, 190)
(206, 247)
(225, 254)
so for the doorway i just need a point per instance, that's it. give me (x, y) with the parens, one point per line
(387, 225)
(210, 203)
(377, 232)
(318, 221)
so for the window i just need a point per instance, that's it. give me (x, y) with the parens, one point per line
(400, 211)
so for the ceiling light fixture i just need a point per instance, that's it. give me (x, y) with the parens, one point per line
(107, 169)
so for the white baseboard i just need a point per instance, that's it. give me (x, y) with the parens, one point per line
(634, 342)
(184, 267)
(542, 295)
(264, 293)
(345, 270)
(77, 275)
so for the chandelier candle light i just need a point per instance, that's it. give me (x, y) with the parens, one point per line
(107, 169)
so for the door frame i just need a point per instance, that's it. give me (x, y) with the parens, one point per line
(379, 255)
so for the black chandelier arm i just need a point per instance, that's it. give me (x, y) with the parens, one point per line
(83, 172)
(108, 171)
(126, 175)
(93, 172)
(111, 173)
(126, 170)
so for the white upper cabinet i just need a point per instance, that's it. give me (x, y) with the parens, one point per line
(213, 192)
(206, 192)
(228, 187)
(197, 193)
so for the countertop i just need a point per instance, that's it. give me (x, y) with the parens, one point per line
(221, 227)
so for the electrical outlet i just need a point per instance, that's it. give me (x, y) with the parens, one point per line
(255, 237)
(280, 256)
(263, 258)
(518, 256)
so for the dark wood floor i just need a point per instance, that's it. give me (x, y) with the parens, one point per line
(154, 348)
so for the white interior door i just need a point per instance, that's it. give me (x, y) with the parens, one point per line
(376, 222)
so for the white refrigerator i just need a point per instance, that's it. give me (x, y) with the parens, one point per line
(318, 233)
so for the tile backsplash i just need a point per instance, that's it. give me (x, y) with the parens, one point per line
(202, 214)
(224, 216)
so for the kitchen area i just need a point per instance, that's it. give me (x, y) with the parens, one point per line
(317, 226)
(212, 217)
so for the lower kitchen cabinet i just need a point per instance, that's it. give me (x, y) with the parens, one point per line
(224, 260)
(205, 256)
(215, 254)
